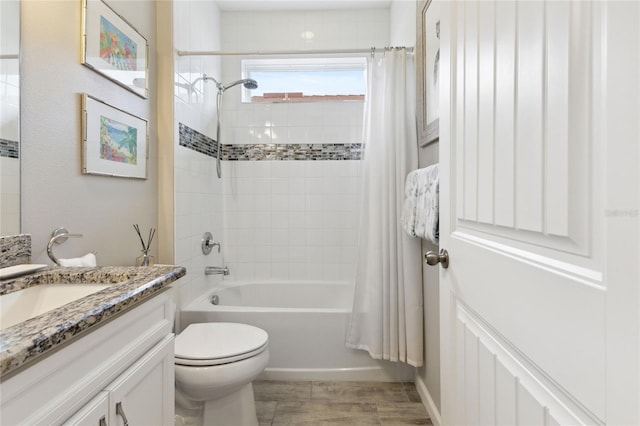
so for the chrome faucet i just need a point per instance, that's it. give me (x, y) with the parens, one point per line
(216, 270)
(59, 236)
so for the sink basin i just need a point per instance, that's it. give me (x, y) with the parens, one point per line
(28, 303)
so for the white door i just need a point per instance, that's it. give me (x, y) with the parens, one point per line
(539, 152)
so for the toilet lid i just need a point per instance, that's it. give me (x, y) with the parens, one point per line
(217, 342)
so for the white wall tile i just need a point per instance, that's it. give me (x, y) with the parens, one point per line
(280, 271)
(286, 230)
(307, 210)
(262, 271)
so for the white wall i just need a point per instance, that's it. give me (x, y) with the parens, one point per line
(402, 22)
(403, 32)
(198, 191)
(54, 191)
(293, 219)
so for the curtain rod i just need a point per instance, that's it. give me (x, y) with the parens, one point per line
(285, 52)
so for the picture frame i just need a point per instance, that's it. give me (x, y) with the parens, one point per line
(114, 142)
(427, 72)
(114, 48)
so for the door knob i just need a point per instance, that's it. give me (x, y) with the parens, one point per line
(432, 258)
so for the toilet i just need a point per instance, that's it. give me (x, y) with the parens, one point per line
(215, 364)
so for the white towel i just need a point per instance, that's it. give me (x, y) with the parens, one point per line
(420, 209)
(88, 259)
(408, 217)
(427, 204)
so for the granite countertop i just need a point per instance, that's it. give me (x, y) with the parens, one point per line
(26, 341)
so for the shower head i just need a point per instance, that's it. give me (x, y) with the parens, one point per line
(248, 83)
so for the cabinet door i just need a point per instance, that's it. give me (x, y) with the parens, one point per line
(95, 413)
(144, 394)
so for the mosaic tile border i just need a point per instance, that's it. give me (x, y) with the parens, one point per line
(288, 152)
(196, 141)
(9, 148)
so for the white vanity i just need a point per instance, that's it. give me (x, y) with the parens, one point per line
(105, 359)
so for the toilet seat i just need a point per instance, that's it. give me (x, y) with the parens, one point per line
(208, 344)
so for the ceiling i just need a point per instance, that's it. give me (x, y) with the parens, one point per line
(266, 5)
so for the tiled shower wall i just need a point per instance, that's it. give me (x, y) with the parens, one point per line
(198, 191)
(293, 219)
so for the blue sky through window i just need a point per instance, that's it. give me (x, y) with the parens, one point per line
(312, 77)
(322, 82)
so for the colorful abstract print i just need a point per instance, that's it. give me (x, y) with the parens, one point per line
(116, 48)
(118, 142)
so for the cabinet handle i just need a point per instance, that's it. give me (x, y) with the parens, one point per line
(102, 421)
(120, 412)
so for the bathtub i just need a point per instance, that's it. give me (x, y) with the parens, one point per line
(307, 324)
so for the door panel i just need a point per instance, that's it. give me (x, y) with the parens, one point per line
(523, 142)
(500, 386)
(525, 303)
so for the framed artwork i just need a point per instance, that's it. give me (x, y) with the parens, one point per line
(114, 142)
(113, 48)
(428, 72)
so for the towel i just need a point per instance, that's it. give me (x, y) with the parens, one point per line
(88, 259)
(420, 210)
(428, 204)
(408, 217)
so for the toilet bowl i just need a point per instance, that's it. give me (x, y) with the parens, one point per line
(215, 364)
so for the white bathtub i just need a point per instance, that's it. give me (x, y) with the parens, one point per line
(306, 322)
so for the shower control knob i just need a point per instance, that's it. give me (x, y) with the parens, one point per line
(433, 258)
(208, 244)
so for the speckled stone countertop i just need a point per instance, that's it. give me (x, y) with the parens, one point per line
(25, 342)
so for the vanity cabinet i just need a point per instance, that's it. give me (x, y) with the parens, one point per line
(140, 394)
(123, 369)
(95, 412)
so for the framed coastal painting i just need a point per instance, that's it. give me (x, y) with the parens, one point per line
(428, 71)
(113, 48)
(114, 142)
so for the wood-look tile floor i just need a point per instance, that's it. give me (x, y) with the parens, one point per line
(338, 403)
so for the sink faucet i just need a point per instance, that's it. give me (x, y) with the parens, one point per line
(216, 270)
(59, 236)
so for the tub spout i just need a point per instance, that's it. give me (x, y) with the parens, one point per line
(216, 270)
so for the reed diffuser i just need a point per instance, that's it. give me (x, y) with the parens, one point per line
(145, 259)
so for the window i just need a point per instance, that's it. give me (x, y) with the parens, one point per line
(305, 79)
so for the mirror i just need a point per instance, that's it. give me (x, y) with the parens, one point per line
(9, 117)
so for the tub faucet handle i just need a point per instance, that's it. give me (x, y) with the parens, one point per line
(208, 244)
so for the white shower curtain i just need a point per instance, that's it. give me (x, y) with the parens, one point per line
(387, 314)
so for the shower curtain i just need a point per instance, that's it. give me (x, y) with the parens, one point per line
(387, 318)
